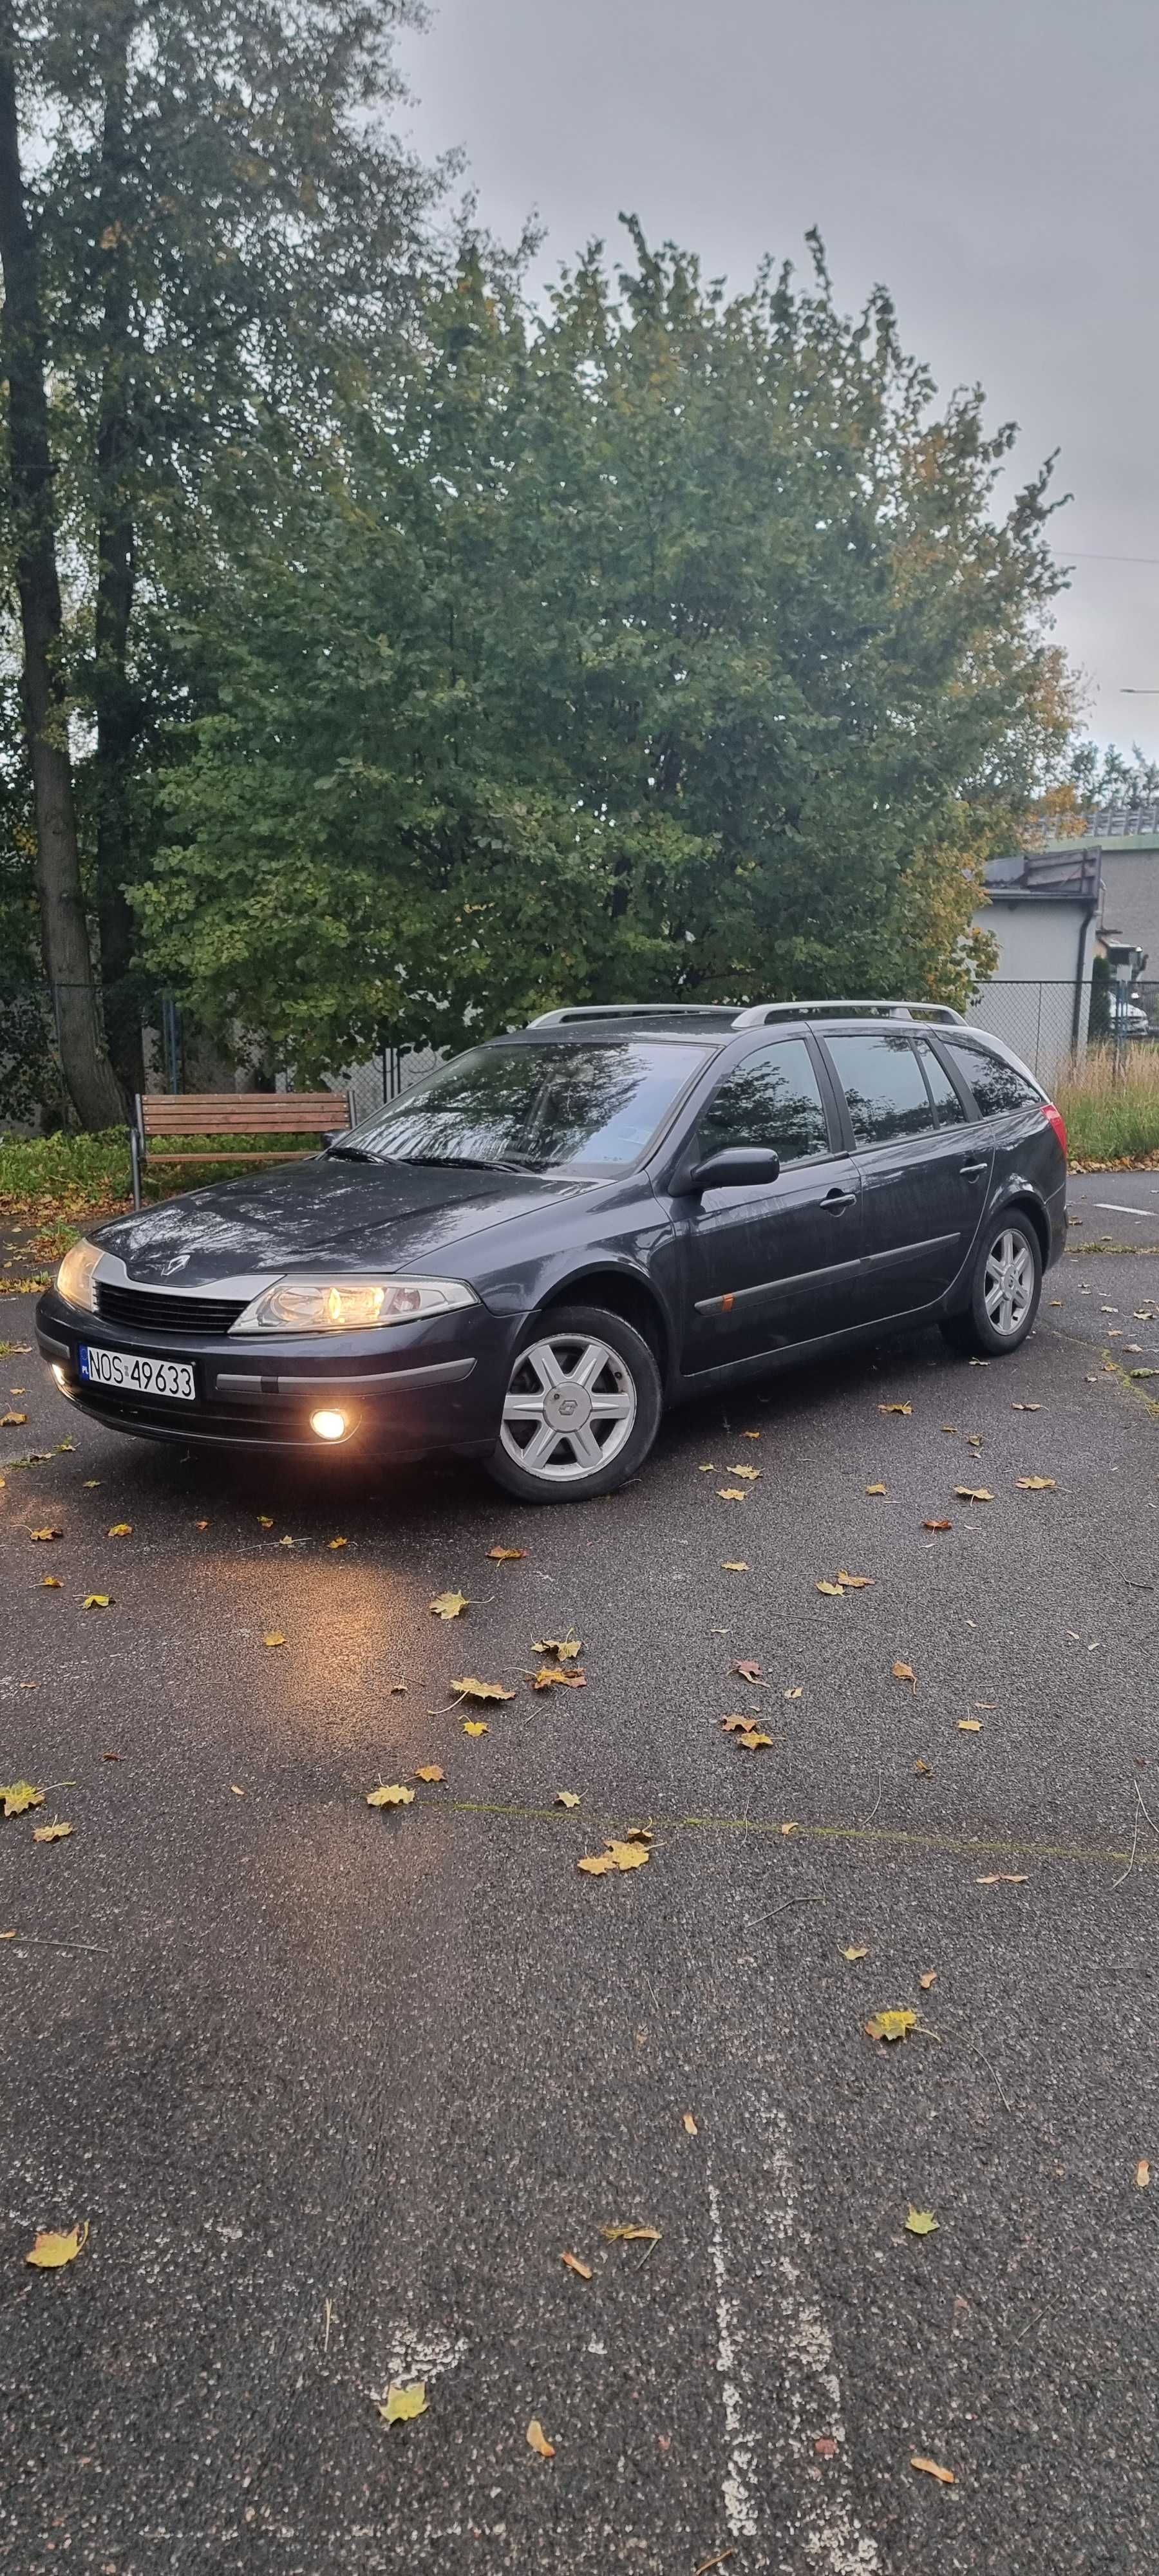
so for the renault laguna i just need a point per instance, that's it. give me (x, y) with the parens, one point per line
(528, 1255)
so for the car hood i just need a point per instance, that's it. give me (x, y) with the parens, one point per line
(330, 1209)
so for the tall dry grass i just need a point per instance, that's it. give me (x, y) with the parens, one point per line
(1112, 1109)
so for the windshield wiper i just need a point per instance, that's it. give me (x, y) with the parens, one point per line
(465, 1163)
(353, 1154)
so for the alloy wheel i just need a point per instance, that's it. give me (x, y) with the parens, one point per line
(570, 1407)
(1008, 1288)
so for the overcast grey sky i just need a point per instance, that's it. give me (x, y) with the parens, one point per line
(991, 161)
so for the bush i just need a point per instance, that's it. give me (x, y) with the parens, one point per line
(62, 1182)
(1112, 1112)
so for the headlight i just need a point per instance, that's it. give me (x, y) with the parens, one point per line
(76, 1277)
(349, 1305)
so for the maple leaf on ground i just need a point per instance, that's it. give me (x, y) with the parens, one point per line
(475, 1726)
(506, 1555)
(20, 1797)
(877, 1489)
(449, 1605)
(973, 1493)
(833, 1589)
(51, 1833)
(753, 1741)
(470, 1688)
(121, 1529)
(895, 1408)
(750, 1673)
(892, 2025)
(53, 2249)
(401, 2405)
(430, 1771)
(392, 1796)
(905, 1673)
(852, 1953)
(921, 2222)
(751, 1475)
(855, 1582)
(550, 1675)
(565, 1649)
(732, 1493)
(104, 1601)
(1035, 1484)
(566, 1798)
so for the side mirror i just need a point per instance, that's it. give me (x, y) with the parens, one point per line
(738, 1167)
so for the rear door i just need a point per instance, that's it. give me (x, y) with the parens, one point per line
(770, 1266)
(923, 1168)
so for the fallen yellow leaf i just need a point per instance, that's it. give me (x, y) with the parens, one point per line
(475, 1726)
(583, 2271)
(336, 1542)
(537, 2440)
(596, 1866)
(1035, 1484)
(264, 1521)
(930, 2468)
(929, 1979)
(973, 1493)
(20, 1797)
(628, 1855)
(855, 1954)
(788, 1829)
(690, 2124)
(753, 1740)
(732, 1493)
(52, 1583)
(104, 1601)
(855, 1582)
(751, 1475)
(506, 1555)
(750, 1435)
(53, 2249)
(796, 1693)
(121, 1529)
(273, 1637)
(550, 1674)
(737, 1725)
(923, 1769)
(1142, 2174)
(50, 1833)
(921, 2222)
(566, 1798)
(905, 1673)
(895, 1408)
(630, 2234)
(287, 1541)
(449, 1605)
(401, 2405)
(969, 1726)
(877, 1489)
(734, 1566)
(833, 1589)
(12, 1421)
(564, 1649)
(748, 1671)
(430, 1771)
(235, 1791)
(1003, 1878)
(892, 2025)
(394, 1796)
(47, 1533)
(708, 1469)
(470, 1688)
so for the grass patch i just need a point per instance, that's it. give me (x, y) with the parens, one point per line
(1112, 1115)
(57, 1184)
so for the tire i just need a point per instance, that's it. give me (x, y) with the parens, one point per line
(573, 1464)
(1007, 1282)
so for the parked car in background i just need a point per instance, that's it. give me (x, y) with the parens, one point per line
(533, 1251)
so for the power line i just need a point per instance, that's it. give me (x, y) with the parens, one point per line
(1075, 554)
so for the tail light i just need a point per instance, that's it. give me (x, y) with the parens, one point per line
(1055, 1119)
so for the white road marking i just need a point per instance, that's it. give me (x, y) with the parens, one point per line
(778, 2399)
(740, 2511)
(1119, 1207)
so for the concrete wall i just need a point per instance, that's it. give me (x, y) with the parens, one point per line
(1131, 900)
(1045, 955)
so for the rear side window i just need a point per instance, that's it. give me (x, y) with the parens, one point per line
(995, 1084)
(946, 1101)
(882, 1082)
(771, 1099)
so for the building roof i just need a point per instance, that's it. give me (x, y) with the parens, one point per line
(1069, 873)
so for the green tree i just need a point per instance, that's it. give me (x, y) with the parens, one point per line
(210, 239)
(665, 644)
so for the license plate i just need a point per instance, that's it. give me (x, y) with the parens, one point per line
(138, 1375)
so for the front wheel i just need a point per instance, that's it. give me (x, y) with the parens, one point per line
(1005, 1291)
(582, 1407)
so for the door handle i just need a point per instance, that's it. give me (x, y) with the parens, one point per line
(971, 1171)
(835, 1200)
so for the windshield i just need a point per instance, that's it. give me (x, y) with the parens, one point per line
(592, 1108)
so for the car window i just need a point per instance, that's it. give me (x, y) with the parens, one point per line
(995, 1084)
(772, 1099)
(946, 1101)
(882, 1082)
(588, 1108)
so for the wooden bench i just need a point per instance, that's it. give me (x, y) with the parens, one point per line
(231, 1113)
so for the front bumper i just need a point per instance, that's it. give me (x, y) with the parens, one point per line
(420, 1390)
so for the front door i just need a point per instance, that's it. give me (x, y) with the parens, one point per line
(770, 1266)
(923, 1170)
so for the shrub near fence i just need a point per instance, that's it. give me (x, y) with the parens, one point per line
(1111, 1105)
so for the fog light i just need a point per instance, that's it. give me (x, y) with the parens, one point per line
(329, 1426)
(59, 1374)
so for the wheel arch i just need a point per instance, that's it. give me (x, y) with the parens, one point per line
(623, 1293)
(1023, 1203)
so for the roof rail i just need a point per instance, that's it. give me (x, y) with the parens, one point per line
(633, 1011)
(760, 1014)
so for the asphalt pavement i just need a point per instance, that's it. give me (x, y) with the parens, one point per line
(334, 2089)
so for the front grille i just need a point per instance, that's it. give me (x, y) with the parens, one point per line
(153, 1310)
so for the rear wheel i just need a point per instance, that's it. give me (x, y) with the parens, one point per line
(1005, 1291)
(582, 1407)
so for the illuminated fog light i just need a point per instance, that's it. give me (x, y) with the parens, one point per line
(329, 1426)
(59, 1374)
